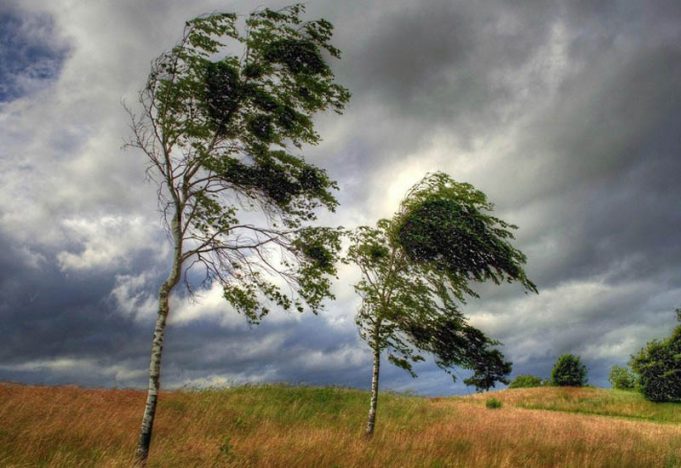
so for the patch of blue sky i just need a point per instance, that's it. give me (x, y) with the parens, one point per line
(31, 53)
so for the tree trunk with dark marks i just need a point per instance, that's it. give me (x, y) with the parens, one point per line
(371, 422)
(144, 439)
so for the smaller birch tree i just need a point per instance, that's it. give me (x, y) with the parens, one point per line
(416, 269)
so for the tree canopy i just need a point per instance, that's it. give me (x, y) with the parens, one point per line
(218, 125)
(445, 227)
(658, 365)
(568, 371)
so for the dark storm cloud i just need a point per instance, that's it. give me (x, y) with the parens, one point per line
(567, 114)
(49, 318)
(54, 322)
(437, 63)
(302, 351)
(442, 69)
(610, 150)
(613, 114)
(59, 328)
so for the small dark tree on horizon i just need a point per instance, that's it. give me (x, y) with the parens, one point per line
(218, 126)
(569, 371)
(416, 269)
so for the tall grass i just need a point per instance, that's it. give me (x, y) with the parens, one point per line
(298, 426)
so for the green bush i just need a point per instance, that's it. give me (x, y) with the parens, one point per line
(526, 381)
(658, 365)
(569, 372)
(493, 403)
(622, 378)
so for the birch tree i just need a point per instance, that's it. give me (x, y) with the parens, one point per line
(417, 269)
(222, 118)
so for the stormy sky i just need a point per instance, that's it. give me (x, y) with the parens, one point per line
(566, 114)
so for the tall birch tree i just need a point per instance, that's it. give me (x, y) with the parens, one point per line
(417, 270)
(222, 118)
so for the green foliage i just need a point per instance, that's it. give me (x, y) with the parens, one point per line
(454, 342)
(221, 113)
(569, 372)
(526, 381)
(411, 290)
(658, 365)
(446, 226)
(493, 403)
(622, 378)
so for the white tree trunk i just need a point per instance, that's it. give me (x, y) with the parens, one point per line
(154, 377)
(144, 440)
(371, 422)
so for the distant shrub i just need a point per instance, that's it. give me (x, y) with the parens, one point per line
(658, 365)
(622, 378)
(526, 381)
(569, 372)
(493, 403)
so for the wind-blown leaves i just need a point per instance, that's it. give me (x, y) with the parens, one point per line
(417, 269)
(218, 126)
(445, 225)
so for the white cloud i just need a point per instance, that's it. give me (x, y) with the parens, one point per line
(620, 343)
(226, 379)
(133, 298)
(587, 317)
(119, 373)
(346, 357)
(107, 242)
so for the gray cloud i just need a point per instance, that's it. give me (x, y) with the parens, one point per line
(31, 54)
(566, 114)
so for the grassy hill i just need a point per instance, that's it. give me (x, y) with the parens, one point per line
(298, 426)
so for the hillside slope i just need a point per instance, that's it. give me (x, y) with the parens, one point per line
(300, 426)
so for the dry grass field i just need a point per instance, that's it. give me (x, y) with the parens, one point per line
(299, 426)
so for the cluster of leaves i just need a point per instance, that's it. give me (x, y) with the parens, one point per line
(527, 381)
(220, 126)
(455, 343)
(658, 365)
(568, 371)
(315, 250)
(416, 270)
(447, 226)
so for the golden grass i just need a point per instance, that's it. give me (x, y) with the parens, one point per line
(293, 426)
